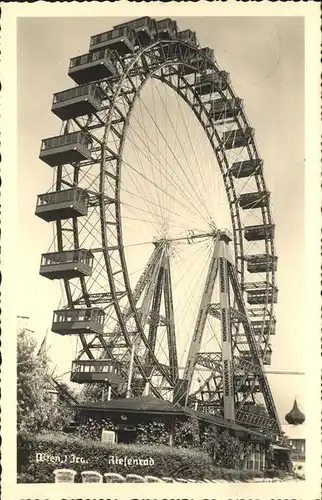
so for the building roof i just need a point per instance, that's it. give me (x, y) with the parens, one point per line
(150, 404)
(137, 404)
(295, 416)
(279, 447)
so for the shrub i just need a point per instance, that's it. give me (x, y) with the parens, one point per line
(210, 441)
(278, 473)
(229, 451)
(187, 434)
(252, 474)
(25, 478)
(93, 428)
(153, 433)
(63, 451)
(233, 474)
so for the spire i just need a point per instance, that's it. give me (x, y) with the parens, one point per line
(295, 416)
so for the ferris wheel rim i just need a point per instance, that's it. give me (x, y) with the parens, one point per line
(237, 232)
(259, 175)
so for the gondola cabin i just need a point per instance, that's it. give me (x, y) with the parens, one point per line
(188, 36)
(96, 370)
(192, 62)
(166, 29)
(237, 138)
(259, 293)
(196, 59)
(267, 357)
(60, 205)
(78, 101)
(144, 28)
(267, 327)
(121, 39)
(92, 66)
(259, 232)
(223, 109)
(246, 168)
(257, 199)
(68, 148)
(208, 53)
(207, 58)
(212, 83)
(68, 264)
(261, 263)
(77, 321)
(168, 52)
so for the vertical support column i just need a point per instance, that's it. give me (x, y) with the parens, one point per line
(150, 289)
(228, 386)
(130, 374)
(155, 311)
(171, 334)
(200, 322)
(263, 457)
(257, 465)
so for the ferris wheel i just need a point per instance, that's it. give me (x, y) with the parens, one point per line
(164, 239)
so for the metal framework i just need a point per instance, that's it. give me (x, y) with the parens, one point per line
(85, 204)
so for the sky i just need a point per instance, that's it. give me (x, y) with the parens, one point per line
(265, 59)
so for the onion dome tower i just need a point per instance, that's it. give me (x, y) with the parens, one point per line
(295, 416)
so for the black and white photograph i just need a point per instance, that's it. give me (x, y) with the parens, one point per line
(161, 327)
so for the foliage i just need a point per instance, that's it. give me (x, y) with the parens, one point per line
(153, 433)
(36, 411)
(233, 474)
(210, 442)
(63, 451)
(229, 451)
(187, 434)
(25, 478)
(269, 458)
(74, 393)
(247, 449)
(278, 473)
(92, 393)
(81, 454)
(93, 428)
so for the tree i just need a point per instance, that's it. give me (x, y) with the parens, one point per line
(36, 410)
(230, 451)
(187, 434)
(210, 441)
(92, 429)
(93, 393)
(153, 433)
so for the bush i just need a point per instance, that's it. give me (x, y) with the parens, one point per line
(252, 474)
(278, 473)
(210, 441)
(63, 451)
(93, 428)
(187, 434)
(233, 474)
(229, 451)
(25, 478)
(153, 433)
